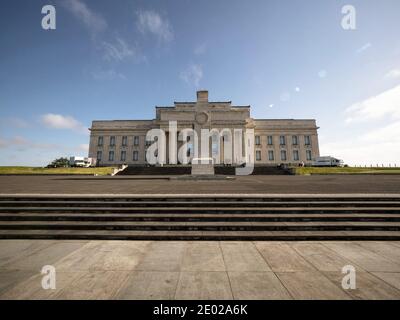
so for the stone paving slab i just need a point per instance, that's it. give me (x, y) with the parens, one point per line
(199, 270)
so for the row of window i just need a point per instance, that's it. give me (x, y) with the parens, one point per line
(282, 140)
(100, 141)
(111, 155)
(271, 155)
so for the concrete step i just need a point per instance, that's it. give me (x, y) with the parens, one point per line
(200, 204)
(186, 170)
(200, 226)
(188, 217)
(213, 210)
(200, 217)
(203, 235)
(168, 198)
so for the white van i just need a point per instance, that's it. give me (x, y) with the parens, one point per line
(327, 162)
(82, 162)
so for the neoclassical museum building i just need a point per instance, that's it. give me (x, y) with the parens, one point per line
(276, 141)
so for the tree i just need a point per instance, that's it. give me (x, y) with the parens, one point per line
(59, 163)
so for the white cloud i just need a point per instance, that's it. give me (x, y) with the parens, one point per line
(200, 49)
(322, 74)
(364, 47)
(120, 51)
(58, 121)
(362, 152)
(386, 104)
(388, 133)
(375, 144)
(393, 74)
(22, 144)
(151, 22)
(93, 21)
(21, 151)
(192, 75)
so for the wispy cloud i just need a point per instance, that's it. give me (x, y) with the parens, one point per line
(92, 20)
(152, 22)
(200, 49)
(393, 74)
(110, 74)
(120, 50)
(22, 143)
(192, 74)
(383, 105)
(362, 152)
(14, 122)
(58, 121)
(379, 145)
(364, 48)
(3, 143)
(387, 133)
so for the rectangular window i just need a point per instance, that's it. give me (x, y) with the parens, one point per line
(258, 140)
(308, 155)
(307, 140)
(258, 155)
(124, 141)
(295, 155)
(112, 141)
(99, 155)
(123, 155)
(135, 155)
(100, 141)
(282, 140)
(136, 141)
(270, 155)
(111, 156)
(270, 141)
(295, 140)
(283, 155)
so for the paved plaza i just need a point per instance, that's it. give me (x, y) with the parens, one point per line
(315, 184)
(198, 270)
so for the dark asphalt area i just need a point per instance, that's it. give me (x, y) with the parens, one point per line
(315, 184)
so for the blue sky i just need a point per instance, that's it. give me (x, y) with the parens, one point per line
(118, 59)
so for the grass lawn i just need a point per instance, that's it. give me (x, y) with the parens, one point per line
(346, 170)
(38, 170)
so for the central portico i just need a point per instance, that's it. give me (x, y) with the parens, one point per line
(200, 115)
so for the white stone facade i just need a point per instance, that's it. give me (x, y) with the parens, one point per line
(277, 141)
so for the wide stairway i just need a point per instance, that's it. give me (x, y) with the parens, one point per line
(182, 170)
(192, 217)
(156, 170)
